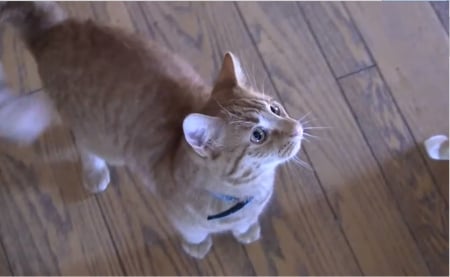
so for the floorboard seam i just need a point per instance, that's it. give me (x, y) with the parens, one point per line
(97, 201)
(370, 148)
(353, 72)
(306, 153)
(439, 18)
(394, 100)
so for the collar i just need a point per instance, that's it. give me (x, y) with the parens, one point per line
(240, 203)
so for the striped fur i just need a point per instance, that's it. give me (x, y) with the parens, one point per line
(130, 101)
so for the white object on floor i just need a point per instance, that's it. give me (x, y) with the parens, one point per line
(437, 147)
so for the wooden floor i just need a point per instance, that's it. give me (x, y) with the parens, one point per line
(372, 202)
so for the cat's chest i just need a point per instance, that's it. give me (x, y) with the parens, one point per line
(244, 209)
(221, 212)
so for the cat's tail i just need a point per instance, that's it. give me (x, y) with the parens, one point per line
(23, 118)
(32, 17)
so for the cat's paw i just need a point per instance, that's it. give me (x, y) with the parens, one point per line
(198, 250)
(251, 235)
(96, 180)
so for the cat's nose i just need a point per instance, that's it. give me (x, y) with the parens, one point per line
(297, 131)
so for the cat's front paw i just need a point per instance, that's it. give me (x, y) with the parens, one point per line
(96, 180)
(198, 250)
(251, 235)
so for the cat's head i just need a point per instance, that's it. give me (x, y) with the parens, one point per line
(239, 123)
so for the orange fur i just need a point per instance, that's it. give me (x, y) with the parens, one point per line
(130, 101)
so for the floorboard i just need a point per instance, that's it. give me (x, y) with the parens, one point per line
(385, 130)
(371, 202)
(49, 225)
(423, 208)
(339, 39)
(9, 60)
(18, 64)
(414, 72)
(4, 264)
(349, 174)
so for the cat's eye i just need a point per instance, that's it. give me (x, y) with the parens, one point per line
(258, 135)
(275, 109)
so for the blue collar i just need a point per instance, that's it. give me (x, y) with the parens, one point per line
(240, 203)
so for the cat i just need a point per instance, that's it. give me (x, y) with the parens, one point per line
(209, 152)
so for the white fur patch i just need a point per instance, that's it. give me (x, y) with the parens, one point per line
(97, 162)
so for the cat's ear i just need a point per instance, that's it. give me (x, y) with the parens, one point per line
(200, 132)
(231, 72)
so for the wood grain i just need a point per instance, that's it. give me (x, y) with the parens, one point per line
(387, 134)
(8, 58)
(20, 68)
(349, 174)
(415, 72)
(49, 225)
(422, 207)
(337, 36)
(359, 210)
(4, 264)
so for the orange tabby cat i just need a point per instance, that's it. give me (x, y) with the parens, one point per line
(210, 153)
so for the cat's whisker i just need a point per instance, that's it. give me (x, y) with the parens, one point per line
(305, 139)
(182, 140)
(298, 159)
(317, 128)
(305, 122)
(311, 136)
(304, 117)
(307, 119)
(301, 163)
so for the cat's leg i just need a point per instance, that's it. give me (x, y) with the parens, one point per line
(95, 172)
(247, 233)
(196, 242)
